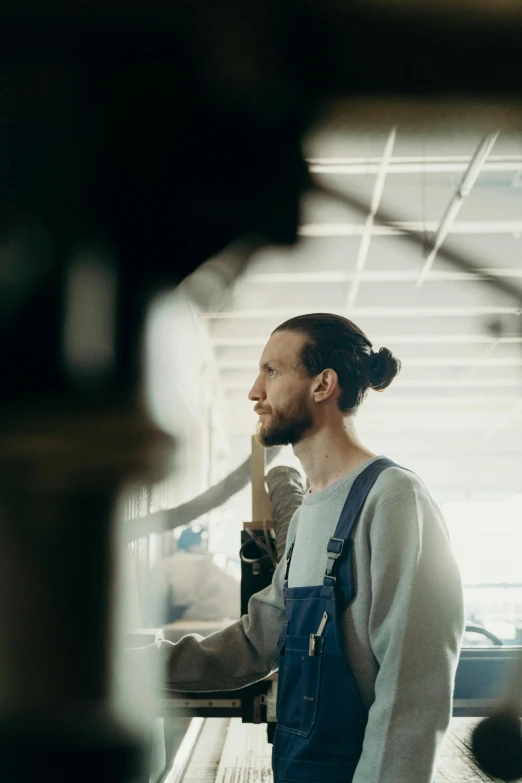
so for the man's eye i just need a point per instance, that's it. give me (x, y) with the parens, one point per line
(271, 372)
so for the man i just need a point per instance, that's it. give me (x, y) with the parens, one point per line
(188, 585)
(367, 629)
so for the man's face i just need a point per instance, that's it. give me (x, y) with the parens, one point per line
(282, 392)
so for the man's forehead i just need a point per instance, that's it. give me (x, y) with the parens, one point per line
(283, 348)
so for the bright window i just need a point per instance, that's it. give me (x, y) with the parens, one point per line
(487, 541)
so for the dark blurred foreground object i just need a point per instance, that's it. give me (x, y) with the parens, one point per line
(496, 745)
(153, 135)
(496, 742)
(136, 141)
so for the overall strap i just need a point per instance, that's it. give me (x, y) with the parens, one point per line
(288, 561)
(340, 543)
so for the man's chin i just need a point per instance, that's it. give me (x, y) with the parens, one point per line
(261, 437)
(268, 439)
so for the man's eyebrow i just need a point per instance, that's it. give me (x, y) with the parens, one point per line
(268, 365)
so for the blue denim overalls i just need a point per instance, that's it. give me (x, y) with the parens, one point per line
(321, 717)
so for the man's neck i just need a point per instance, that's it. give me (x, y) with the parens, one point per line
(329, 454)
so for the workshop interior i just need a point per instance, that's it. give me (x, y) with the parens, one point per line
(174, 184)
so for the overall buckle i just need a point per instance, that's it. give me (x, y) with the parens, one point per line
(334, 551)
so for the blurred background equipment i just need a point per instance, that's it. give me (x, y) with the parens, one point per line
(286, 490)
(189, 585)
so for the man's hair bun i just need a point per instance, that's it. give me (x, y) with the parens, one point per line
(336, 343)
(384, 369)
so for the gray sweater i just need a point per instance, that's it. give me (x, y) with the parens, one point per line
(402, 632)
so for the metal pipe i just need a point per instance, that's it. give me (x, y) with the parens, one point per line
(455, 205)
(366, 238)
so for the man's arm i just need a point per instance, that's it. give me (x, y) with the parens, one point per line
(236, 656)
(416, 627)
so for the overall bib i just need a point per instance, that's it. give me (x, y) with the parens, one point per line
(321, 717)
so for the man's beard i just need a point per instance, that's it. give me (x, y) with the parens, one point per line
(285, 426)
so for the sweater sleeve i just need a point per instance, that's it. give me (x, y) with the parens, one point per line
(416, 627)
(228, 659)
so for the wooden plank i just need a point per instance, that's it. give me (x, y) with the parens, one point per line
(261, 507)
(247, 756)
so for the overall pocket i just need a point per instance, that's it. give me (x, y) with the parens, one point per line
(298, 685)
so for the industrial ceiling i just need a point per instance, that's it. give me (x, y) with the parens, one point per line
(455, 412)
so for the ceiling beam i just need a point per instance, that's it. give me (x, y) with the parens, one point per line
(486, 360)
(503, 421)
(402, 339)
(366, 312)
(376, 276)
(398, 227)
(411, 165)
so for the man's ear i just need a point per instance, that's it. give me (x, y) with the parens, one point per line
(326, 386)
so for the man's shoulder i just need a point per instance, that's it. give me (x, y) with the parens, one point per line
(398, 482)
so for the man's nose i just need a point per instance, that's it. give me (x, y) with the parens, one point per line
(255, 392)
